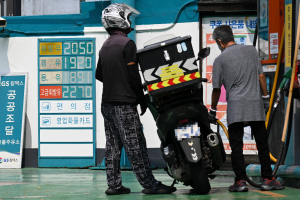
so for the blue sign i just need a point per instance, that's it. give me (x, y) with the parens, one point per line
(66, 97)
(12, 110)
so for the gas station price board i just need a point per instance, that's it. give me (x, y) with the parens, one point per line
(66, 88)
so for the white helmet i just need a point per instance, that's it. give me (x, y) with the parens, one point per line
(116, 16)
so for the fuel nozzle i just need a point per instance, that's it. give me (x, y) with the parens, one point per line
(278, 98)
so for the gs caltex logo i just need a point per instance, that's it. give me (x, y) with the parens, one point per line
(1, 160)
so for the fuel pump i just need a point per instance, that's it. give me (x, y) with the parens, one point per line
(288, 155)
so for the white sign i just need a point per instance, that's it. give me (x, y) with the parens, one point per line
(66, 135)
(269, 68)
(68, 106)
(274, 43)
(66, 121)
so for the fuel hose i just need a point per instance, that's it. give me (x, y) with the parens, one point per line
(269, 114)
(283, 150)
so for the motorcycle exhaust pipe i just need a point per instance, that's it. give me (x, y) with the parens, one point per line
(215, 150)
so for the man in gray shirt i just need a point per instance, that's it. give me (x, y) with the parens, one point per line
(238, 68)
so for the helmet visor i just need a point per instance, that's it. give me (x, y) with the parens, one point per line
(134, 12)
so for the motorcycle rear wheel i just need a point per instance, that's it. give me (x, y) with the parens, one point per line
(200, 178)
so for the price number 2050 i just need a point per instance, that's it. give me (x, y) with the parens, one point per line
(78, 48)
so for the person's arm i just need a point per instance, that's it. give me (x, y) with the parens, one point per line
(215, 98)
(263, 84)
(262, 78)
(217, 84)
(212, 114)
(98, 74)
(134, 75)
(136, 85)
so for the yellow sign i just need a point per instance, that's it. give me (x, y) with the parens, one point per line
(288, 35)
(50, 63)
(51, 48)
(171, 72)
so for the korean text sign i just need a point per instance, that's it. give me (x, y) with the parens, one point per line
(12, 113)
(66, 101)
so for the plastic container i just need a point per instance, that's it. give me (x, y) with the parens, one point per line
(168, 65)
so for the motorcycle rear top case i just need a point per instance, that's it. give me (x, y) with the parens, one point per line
(168, 65)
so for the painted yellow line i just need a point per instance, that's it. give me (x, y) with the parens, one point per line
(169, 67)
(272, 194)
(170, 70)
(172, 76)
(171, 73)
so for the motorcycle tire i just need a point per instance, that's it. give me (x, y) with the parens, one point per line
(200, 178)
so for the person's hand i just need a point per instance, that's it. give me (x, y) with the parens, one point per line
(266, 103)
(212, 116)
(143, 108)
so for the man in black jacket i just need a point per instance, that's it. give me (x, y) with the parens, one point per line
(118, 70)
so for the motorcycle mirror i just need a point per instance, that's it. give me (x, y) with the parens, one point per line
(203, 53)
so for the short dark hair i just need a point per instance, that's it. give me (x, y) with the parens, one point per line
(223, 33)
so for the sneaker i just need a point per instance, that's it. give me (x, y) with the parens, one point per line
(159, 189)
(238, 186)
(271, 184)
(122, 190)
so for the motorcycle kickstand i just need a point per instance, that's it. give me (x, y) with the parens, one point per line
(174, 182)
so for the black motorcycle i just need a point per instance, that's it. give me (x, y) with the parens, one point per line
(191, 150)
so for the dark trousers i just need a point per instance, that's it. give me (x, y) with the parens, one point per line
(236, 134)
(123, 129)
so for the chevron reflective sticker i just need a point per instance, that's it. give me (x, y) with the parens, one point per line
(166, 72)
(170, 72)
(148, 75)
(174, 81)
(189, 64)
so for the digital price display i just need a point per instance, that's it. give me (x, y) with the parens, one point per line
(66, 62)
(66, 92)
(66, 77)
(66, 71)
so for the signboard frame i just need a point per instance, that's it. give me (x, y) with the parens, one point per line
(23, 112)
(67, 161)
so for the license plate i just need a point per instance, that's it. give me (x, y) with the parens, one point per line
(187, 131)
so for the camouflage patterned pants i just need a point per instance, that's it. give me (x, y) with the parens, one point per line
(123, 128)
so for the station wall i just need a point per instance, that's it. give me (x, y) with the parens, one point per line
(18, 53)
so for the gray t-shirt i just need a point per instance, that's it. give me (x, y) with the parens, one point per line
(238, 69)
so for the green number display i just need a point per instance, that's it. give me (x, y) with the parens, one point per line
(78, 48)
(77, 92)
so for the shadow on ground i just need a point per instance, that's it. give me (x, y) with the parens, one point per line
(41, 183)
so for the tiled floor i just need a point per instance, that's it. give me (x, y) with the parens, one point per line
(43, 183)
